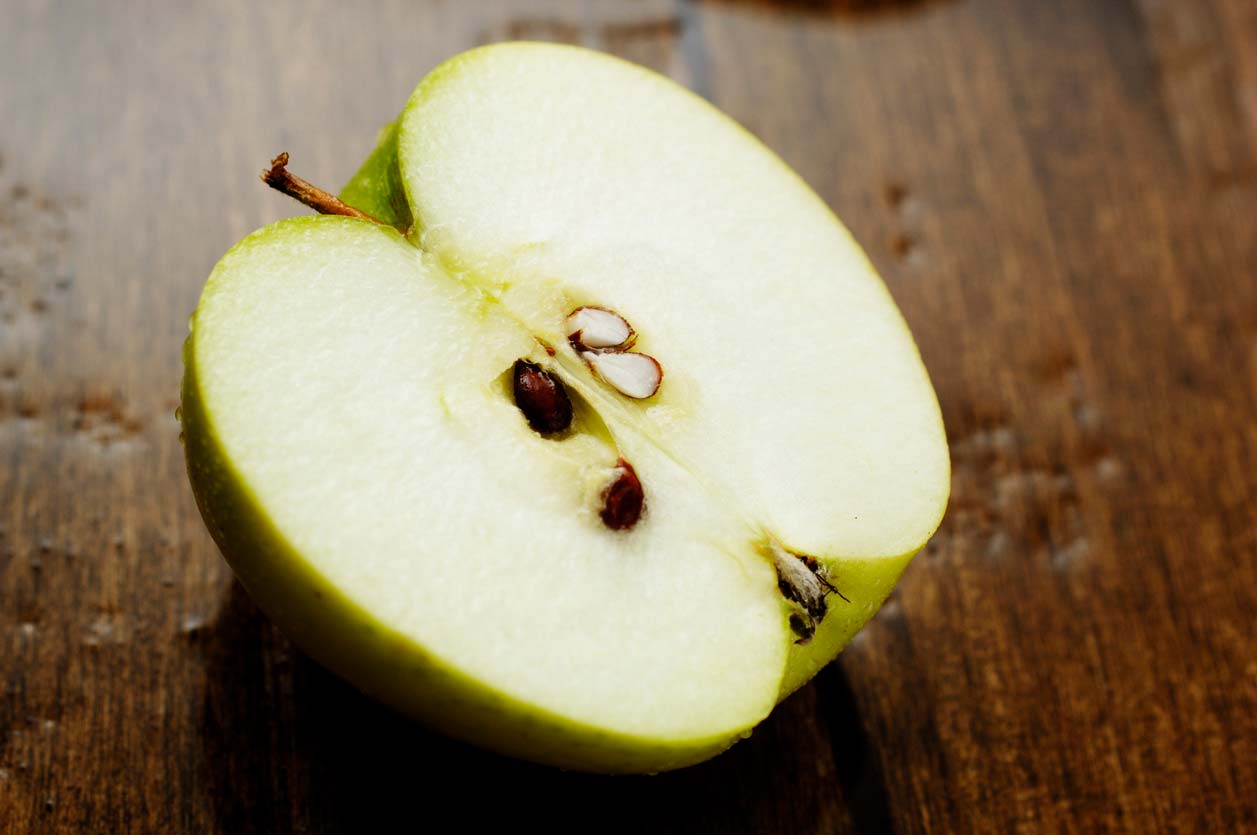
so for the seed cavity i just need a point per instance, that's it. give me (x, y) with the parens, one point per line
(801, 580)
(633, 375)
(542, 398)
(597, 328)
(623, 499)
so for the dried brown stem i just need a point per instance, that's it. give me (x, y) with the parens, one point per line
(279, 178)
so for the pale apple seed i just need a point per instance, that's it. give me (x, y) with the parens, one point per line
(633, 375)
(597, 328)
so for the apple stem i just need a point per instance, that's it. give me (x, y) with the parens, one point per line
(279, 178)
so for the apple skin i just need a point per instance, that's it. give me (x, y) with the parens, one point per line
(377, 187)
(385, 664)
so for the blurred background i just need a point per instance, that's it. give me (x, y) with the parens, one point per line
(1061, 196)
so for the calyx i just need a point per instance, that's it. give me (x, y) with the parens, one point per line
(801, 580)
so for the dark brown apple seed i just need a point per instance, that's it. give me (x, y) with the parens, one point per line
(623, 498)
(540, 395)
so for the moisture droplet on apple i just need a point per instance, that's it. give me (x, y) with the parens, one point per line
(442, 509)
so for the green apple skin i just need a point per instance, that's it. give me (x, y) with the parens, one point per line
(377, 187)
(390, 666)
(384, 664)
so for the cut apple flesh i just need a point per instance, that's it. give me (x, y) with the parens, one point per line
(357, 394)
(357, 453)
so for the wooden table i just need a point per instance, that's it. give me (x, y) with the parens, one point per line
(1062, 197)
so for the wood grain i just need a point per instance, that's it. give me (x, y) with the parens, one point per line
(1061, 197)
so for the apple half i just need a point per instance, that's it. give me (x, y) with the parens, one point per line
(357, 450)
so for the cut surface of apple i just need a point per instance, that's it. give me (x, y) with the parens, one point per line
(358, 454)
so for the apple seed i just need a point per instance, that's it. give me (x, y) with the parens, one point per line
(540, 395)
(623, 498)
(597, 328)
(633, 375)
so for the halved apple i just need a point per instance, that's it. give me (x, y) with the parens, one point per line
(361, 451)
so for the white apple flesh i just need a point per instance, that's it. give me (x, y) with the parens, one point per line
(357, 453)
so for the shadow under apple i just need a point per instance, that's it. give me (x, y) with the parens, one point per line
(288, 747)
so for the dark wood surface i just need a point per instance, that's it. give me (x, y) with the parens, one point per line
(1062, 197)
